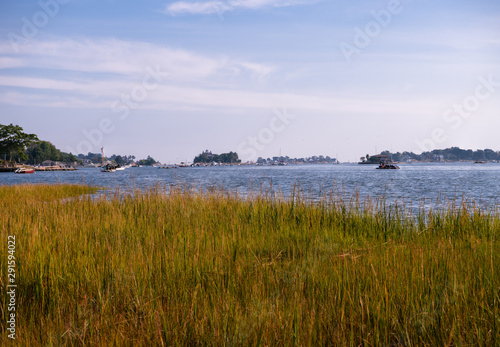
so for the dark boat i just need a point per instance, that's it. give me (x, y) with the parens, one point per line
(387, 166)
(108, 168)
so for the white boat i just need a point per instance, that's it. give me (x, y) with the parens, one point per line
(24, 170)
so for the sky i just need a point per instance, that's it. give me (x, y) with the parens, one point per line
(260, 77)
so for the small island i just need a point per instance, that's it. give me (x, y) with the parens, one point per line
(448, 155)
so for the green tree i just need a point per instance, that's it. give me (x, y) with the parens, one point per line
(118, 159)
(208, 157)
(148, 161)
(14, 141)
(229, 158)
(44, 150)
(479, 155)
(205, 157)
(490, 154)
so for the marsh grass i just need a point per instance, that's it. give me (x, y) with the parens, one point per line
(211, 268)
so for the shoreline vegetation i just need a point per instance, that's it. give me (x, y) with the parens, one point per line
(186, 267)
(26, 149)
(448, 155)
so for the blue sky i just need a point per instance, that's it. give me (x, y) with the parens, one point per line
(172, 78)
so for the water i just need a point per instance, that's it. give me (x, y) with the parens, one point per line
(414, 184)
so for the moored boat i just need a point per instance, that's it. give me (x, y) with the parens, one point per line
(387, 166)
(108, 168)
(24, 170)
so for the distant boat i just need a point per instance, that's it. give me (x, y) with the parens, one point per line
(108, 168)
(480, 162)
(24, 170)
(387, 166)
(280, 162)
(120, 168)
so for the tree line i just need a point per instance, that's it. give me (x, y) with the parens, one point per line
(208, 157)
(448, 154)
(20, 147)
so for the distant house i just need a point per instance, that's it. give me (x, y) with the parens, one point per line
(48, 163)
(438, 157)
(376, 159)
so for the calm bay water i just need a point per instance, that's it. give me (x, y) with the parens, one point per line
(415, 184)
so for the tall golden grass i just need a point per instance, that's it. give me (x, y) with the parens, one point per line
(212, 268)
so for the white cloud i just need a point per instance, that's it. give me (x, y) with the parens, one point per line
(6, 63)
(221, 6)
(123, 58)
(44, 92)
(207, 7)
(91, 74)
